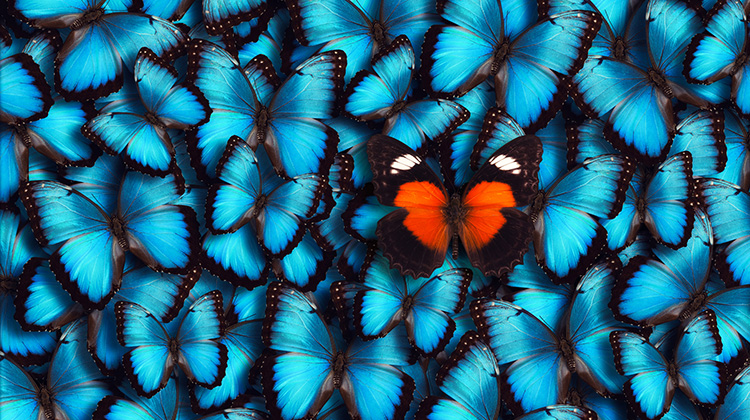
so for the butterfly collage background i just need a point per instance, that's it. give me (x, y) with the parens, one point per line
(374, 209)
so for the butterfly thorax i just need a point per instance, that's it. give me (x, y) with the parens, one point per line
(396, 108)
(498, 56)
(619, 48)
(692, 307)
(537, 204)
(406, 306)
(568, 352)
(338, 364)
(45, 401)
(454, 214)
(261, 122)
(741, 60)
(174, 348)
(154, 120)
(23, 133)
(378, 30)
(640, 206)
(657, 79)
(672, 371)
(87, 18)
(260, 203)
(117, 227)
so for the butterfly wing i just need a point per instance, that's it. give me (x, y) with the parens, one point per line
(202, 356)
(414, 237)
(26, 96)
(297, 141)
(702, 134)
(649, 389)
(220, 15)
(41, 303)
(162, 406)
(700, 376)
(306, 265)
(421, 122)
(560, 412)
(19, 397)
(668, 199)
(737, 399)
(378, 306)
(508, 179)
(471, 379)
(236, 257)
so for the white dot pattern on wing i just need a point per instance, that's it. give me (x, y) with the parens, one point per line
(506, 163)
(404, 163)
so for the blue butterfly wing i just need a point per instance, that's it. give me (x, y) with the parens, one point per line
(163, 235)
(58, 135)
(295, 129)
(65, 11)
(559, 412)
(26, 347)
(89, 263)
(670, 26)
(649, 389)
(586, 140)
(317, 23)
(148, 363)
(372, 94)
(728, 209)
(73, 379)
(537, 376)
(144, 146)
(305, 349)
(712, 54)
(702, 134)
(591, 321)
(373, 386)
(595, 188)
(26, 95)
(378, 306)
(412, 18)
(554, 152)
(623, 228)
(306, 265)
(236, 257)
(42, 47)
(741, 90)
(10, 173)
(220, 15)
(471, 379)
(41, 303)
(737, 399)
(732, 316)
(422, 122)
(498, 129)
(669, 212)
(221, 79)
(528, 85)
(104, 347)
(269, 42)
(19, 397)
(700, 376)
(202, 356)
(162, 406)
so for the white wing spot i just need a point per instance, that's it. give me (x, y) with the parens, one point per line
(405, 162)
(506, 163)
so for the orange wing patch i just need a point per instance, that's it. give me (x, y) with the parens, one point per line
(425, 202)
(483, 219)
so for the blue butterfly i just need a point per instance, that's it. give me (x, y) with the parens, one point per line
(17, 246)
(248, 190)
(382, 93)
(542, 360)
(424, 304)
(360, 29)
(194, 344)
(100, 43)
(73, 387)
(567, 234)
(728, 208)
(652, 379)
(676, 284)
(311, 362)
(26, 96)
(737, 399)
(247, 103)
(662, 201)
(737, 133)
(721, 51)
(242, 338)
(636, 99)
(487, 40)
(107, 213)
(164, 405)
(142, 139)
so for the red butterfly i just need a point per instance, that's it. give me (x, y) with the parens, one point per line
(494, 233)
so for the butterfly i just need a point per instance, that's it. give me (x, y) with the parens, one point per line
(107, 213)
(567, 233)
(728, 210)
(311, 358)
(248, 190)
(382, 93)
(684, 288)
(635, 100)
(101, 43)
(164, 405)
(662, 200)
(415, 237)
(538, 354)
(73, 385)
(483, 40)
(153, 350)
(360, 30)
(424, 304)
(652, 379)
(250, 104)
(737, 399)
(26, 95)
(721, 51)
(143, 140)
(737, 167)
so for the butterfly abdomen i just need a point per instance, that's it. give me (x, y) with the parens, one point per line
(568, 352)
(261, 123)
(45, 400)
(338, 364)
(117, 227)
(658, 80)
(499, 57)
(695, 303)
